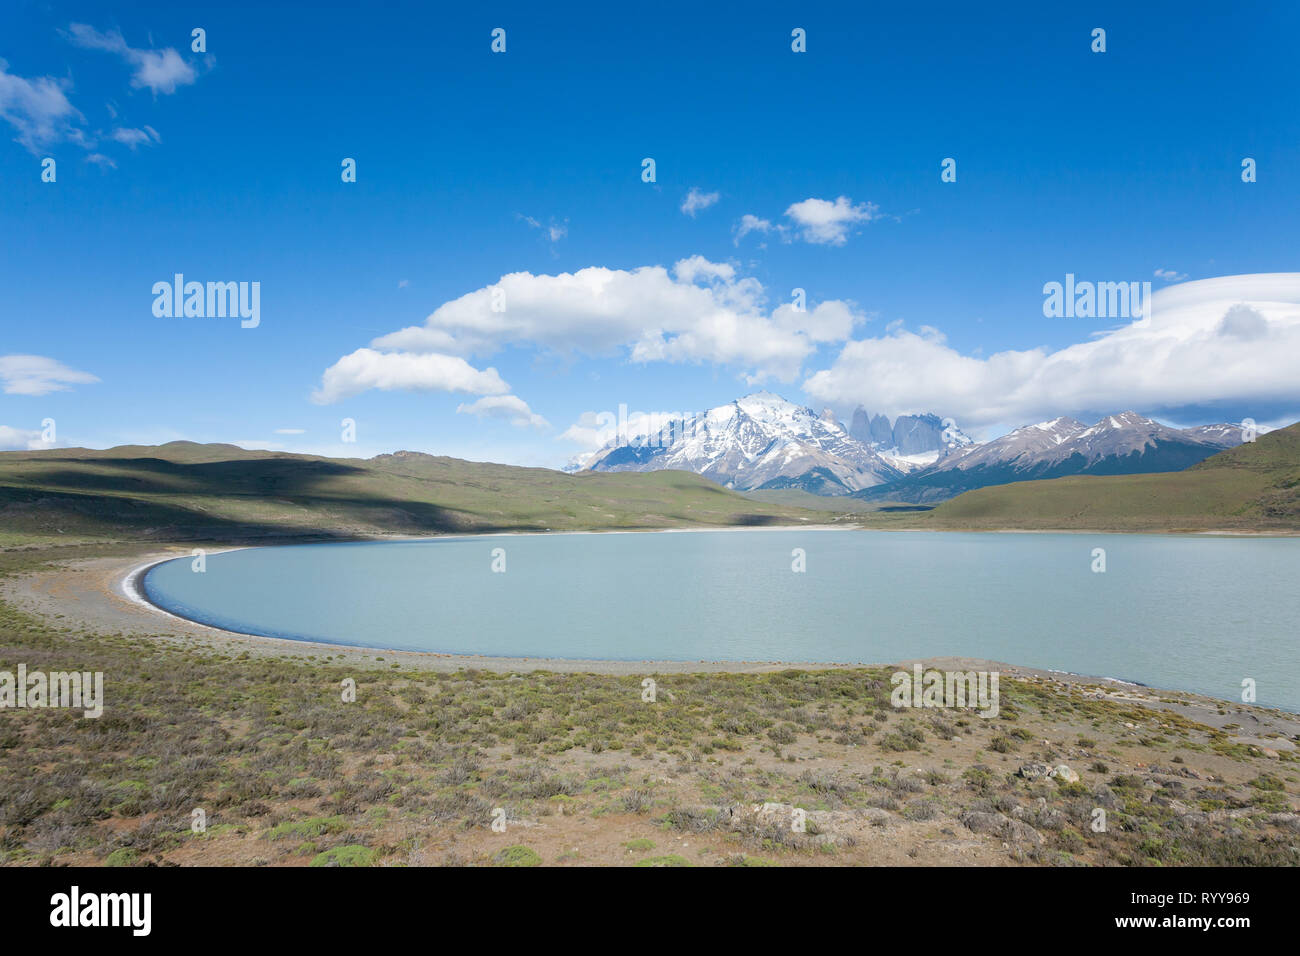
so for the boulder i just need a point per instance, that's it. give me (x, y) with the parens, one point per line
(996, 824)
(1064, 774)
(1035, 771)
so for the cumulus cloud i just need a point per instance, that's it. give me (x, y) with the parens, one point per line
(430, 372)
(700, 311)
(823, 222)
(38, 375)
(1230, 339)
(38, 109)
(594, 430)
(696, 200)
(750, 223)
(831, 321)
(20, 439)
(510, 408)
(818, 221)
(162, 71)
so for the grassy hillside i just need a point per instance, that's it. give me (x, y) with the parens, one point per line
(1252, 487)
(186, 490)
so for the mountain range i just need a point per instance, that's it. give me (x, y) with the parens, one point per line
(1122, 444)
(763, 442)
(759, 441)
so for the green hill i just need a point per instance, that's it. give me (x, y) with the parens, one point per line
(183, 490)
(1253, 487)
(190, 491)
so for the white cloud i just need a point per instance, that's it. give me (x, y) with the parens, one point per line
(696, 200)
(291, 431)
(554, 231)
(698, 312)
(694, 268)
(511, 408)
(38, 109)
(162, 71)
(1242, 322)
(431, 372)
(20, 439)
(99, 159)
(831, 321)
(1169, 275)
(594, 430)
(38, 375)
(136, 137)
(750, 223)
(823, 222)
(1231, 339)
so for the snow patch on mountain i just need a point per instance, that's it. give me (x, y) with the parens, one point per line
(758, 440)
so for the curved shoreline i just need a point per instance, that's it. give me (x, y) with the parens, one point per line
(131, 587)
(104, 594)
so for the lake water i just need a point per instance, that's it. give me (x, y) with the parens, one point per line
(1191, 613)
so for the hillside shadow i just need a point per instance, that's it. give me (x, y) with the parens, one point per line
(43, 511)
(159, 476)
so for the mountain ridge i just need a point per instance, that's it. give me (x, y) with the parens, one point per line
(748, 443)
(761, 442)
(1253, 487)
(1121, 443)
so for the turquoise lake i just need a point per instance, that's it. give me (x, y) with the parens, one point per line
(1189, 613)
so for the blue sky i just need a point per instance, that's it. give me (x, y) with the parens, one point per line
(225, 166)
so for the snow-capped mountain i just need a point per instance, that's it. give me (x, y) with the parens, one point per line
(1121, 444)
(763, 442)
(909, 436)
(913, 442)
(759, 441)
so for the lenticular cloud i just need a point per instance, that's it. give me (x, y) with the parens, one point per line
(1229, 339)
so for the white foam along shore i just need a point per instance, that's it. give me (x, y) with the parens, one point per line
(132, 588)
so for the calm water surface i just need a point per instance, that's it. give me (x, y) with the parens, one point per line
(1191, 613)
